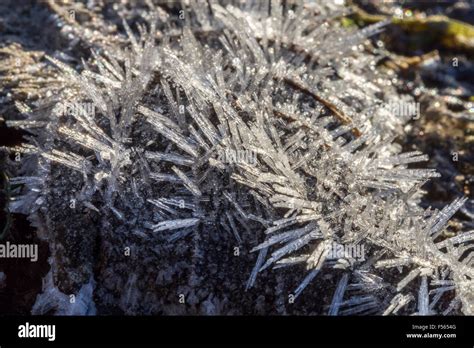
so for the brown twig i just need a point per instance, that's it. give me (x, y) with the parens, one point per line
(337, 113)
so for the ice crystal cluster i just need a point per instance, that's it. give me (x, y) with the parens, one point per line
(263, 121)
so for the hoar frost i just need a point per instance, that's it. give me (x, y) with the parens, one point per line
(262, 121)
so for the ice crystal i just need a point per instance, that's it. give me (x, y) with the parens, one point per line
(272, 80)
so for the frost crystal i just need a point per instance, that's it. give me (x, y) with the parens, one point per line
(261, 79)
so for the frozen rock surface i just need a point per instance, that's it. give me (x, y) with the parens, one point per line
(233, 158)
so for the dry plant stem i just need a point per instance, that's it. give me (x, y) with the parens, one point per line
(337, 113)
